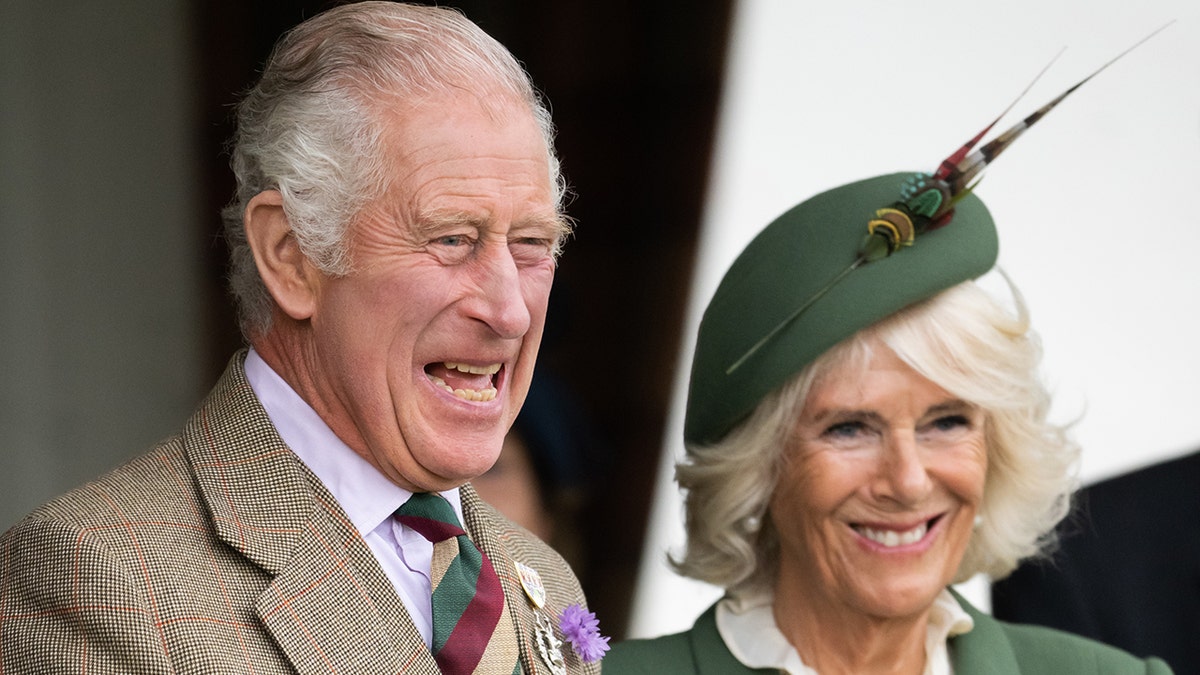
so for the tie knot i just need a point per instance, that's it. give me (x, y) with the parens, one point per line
(431, 516)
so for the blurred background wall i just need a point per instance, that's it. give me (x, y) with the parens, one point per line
(102, 336)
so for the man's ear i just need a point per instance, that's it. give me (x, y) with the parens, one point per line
(290, 278)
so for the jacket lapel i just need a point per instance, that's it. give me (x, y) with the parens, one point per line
(484, 530)
(985, 649)
(332, 611)
(329, 606)
(506, 544)
(710, 655)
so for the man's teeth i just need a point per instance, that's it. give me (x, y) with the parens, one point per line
(465, 394)
(474, 370)
(892, 538)
(486, 394)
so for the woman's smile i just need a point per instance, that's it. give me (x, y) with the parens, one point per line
(897, 537)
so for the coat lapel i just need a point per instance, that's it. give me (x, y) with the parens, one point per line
(985, 649)
(507, 544)
(329, 606)
(484, 530)
(331, 610)
(709, 652)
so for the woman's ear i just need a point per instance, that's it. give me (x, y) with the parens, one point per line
(290, 278)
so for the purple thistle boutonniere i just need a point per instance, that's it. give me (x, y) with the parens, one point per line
(582, 630)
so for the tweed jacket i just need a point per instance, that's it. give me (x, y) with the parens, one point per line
(990, 648)
(220, 552)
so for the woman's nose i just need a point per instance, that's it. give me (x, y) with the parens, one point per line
(903, 476)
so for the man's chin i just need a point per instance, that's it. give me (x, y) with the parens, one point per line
(441, 476)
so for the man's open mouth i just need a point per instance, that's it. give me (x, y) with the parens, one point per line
(466, 381)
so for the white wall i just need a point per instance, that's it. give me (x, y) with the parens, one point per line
(1097, 205)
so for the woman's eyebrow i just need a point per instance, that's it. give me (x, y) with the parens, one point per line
(837, 413)
(952, 406)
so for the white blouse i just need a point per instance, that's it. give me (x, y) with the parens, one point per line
(747, 625)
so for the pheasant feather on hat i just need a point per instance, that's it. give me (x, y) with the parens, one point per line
(927, 200)
(815, 275)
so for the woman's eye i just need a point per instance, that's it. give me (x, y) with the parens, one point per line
(845, 430)
(951, 422)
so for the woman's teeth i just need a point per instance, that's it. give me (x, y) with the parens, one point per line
(892, 538)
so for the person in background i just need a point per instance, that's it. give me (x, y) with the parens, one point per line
(1127, 569)
(393, 239)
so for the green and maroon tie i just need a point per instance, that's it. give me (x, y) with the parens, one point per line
(468, 601)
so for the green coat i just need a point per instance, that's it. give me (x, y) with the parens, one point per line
(990, 648)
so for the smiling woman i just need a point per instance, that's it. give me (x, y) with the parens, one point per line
(875, 433)
(881, 480)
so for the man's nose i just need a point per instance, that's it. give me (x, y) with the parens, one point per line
(498, 300)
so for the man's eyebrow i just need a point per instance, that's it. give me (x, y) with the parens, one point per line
(555, 225)
(428, 224)
(431, 223)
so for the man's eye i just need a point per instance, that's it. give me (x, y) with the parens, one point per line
(452, 240)
(530, 250)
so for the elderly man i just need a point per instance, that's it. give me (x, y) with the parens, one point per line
(393, 241)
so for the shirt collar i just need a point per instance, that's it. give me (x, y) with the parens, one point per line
(368, 497)
(747, 626)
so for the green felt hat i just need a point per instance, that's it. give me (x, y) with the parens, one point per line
(803, 285)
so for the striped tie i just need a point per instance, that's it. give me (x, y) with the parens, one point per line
(468, 601)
